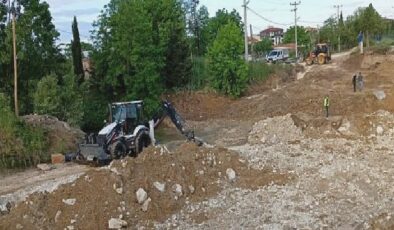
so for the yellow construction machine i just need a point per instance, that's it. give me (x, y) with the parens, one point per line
(321, 55)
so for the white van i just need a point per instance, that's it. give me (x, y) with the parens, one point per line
(277, 55)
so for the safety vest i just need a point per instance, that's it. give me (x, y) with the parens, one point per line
(326, 102)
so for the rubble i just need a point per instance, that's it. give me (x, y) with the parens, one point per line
(70, 201)
(159, 186)
(145, 205)
(379, 94)
(231, 176)
(114, 223)
(44, 167)
(141, 195)
(177, 189)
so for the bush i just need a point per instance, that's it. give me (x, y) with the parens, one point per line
(64, 102)
(21, 145)
(259, 71)
(228, 69)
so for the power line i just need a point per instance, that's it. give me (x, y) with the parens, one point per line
(268, 20)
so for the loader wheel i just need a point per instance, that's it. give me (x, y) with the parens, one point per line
(142, 141)
(321, 59)
(118, 150)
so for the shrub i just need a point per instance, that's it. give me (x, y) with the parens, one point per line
(229, 73)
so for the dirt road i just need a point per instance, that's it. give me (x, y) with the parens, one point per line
(293, 168)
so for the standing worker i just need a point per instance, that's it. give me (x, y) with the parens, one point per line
(360, 40)
(354, 82)
(326, 104)
(360, 81)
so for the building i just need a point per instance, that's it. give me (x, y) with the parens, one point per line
(275, 34)
(254, 39)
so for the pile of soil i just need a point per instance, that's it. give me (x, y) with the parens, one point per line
(199, 106)
(61, 136)
(110, 192)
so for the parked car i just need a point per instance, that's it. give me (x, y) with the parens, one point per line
(277, 55)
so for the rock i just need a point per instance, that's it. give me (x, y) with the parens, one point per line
(379, 130)
(231, 174)
(115, 170)
(69, 201)
(5, 207)
(58, 213)
(141, 195)
(19, 226)
(70, 227)
(191, 189)
(177, 189)
(124, 163)
(159, 186)
(44, 167)
(58, 158)
(379, 94)
(72, 221)
(145, 205)
(119, 190)
(114, 223)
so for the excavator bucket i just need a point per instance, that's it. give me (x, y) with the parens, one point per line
(92, 153)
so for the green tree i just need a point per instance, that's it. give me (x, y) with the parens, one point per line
(71, 100)
(37, 52)
(47, 98)
(141, 50)
(303, 38)
(77, 52)
(222, 18)
(229, 71)
(370, 22)
(263, 46)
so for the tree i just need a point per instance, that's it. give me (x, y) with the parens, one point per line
(370, 22)
(222, 18)
(303, 38)
(37, 54)
(77, 52)
(229, 71)
(263, 46)
(71, 100)
(141, 50)
(47, 96)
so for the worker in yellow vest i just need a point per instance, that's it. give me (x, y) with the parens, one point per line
(326, 104)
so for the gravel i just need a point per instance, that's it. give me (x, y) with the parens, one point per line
(339, 183)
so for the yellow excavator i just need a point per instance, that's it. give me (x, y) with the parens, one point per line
(321, 55)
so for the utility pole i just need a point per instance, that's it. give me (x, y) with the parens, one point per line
(251, 43)
(339, 33)
(245, 6)
(15, 63)
(295, 4)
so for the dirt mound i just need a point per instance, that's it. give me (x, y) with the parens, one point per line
(61, 136)
(274, 130)
(189, 174)
(200, 105)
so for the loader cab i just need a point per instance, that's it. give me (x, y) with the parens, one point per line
(129, 114)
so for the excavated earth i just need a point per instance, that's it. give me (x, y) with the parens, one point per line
(272, 161)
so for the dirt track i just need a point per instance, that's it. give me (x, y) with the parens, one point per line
(295, 168)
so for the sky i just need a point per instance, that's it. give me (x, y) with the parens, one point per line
(278, 12)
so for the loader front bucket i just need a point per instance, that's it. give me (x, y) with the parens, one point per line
(93, 153)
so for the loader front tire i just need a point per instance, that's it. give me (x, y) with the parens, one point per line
(118, 150)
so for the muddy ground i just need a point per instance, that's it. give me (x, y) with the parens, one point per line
(294, 168)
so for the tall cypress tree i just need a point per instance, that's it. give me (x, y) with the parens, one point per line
(77, 52)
